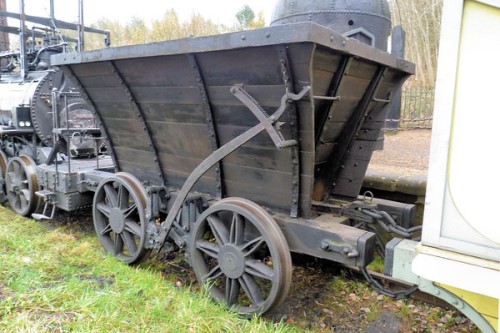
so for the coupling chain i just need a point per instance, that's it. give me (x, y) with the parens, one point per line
(386, 222)
(398, 294)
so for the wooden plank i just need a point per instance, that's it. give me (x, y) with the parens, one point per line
(264, 179)
(326, 60)
(261, 157)
(271, 199)
(142, 172)
(247, 66)
(266, 95)
(190, 140)
(174, 113)
(116, 110)
(323, 151)
(127, 134)
(164, 94)
(160, 71)
(98, 81)
(362, 69)
(91, 69)
(331, 131)
(107, 95)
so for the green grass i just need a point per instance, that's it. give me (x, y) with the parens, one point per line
(60, 281)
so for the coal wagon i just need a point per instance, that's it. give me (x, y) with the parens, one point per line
(242, 148)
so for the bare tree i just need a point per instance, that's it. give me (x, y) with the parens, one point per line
(421, 20)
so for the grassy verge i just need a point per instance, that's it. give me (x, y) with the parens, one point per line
(54, 281)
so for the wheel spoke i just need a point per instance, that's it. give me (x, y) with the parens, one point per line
(252, 246)
(259, 269)
(11, 184)
(107, 229)
(213, 274)
(14, 202)
(132, 227)
(24, 196)
(232, 290)
(251, 288)
(123, 198)
(130, 243)
(237, 229)
(128, 211)
(111, 195)
(17, 168)
(210, 249)
(103, 208)
(117, 244)
(218, 229)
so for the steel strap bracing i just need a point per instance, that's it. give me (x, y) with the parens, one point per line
(293, 117)
(140, 118)
(207, 109)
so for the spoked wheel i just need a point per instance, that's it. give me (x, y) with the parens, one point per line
(119, 218)
(21, 185)
(239, 252)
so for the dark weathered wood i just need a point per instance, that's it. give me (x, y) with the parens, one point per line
(329, 172)
(170, 96)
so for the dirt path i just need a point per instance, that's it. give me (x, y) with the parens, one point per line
(405, 152)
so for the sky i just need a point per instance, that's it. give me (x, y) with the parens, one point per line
(219, 11)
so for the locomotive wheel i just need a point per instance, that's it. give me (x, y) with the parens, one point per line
(21, 185)
(119, 218)
(240, 253)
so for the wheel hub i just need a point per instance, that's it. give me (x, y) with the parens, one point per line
(231, 261)
(116, 220)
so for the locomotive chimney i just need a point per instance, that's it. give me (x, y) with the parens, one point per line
(4, 37)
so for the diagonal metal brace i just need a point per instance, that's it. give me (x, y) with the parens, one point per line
(270, 123)
(265, 123)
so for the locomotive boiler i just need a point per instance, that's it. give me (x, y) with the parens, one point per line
(31, 91)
